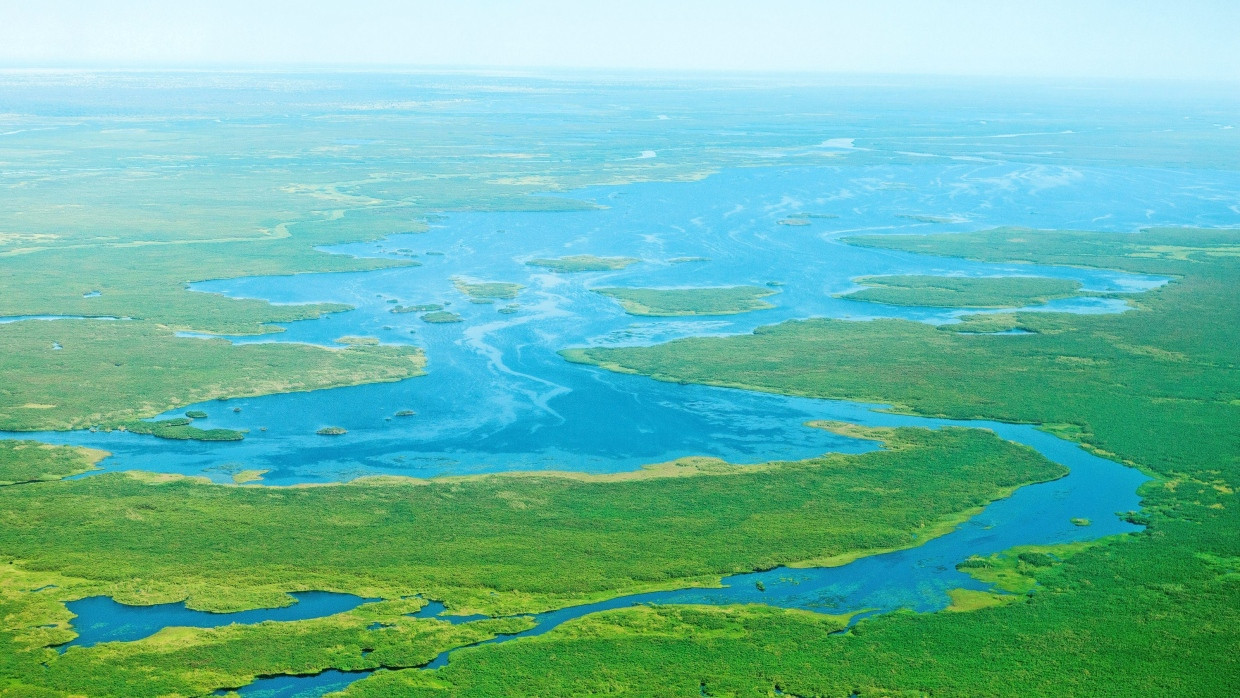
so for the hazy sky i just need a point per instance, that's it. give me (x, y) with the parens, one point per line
(1076, 38)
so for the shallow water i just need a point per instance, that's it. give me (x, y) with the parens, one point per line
(100, 619)
(498, 397)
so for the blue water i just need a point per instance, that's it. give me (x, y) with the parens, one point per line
(498, 396)
(311, 686)
(100, 619)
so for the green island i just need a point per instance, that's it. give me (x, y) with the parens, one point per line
(418, 308)
(440, 317)
(180, 428)
(962, 291)
(1157, 387)
(583, 262)
(670, 302)
(482, 545)
(332, 431)
(487, 290)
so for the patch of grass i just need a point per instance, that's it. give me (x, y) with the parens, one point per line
(180, 428)
(487, 290)
(31, 461)
(113, 373)
(440, 317)
(419, 308)
(668, 302)
(962, 291)
(583, 262)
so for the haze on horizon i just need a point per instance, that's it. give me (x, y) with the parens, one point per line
(1128, 39)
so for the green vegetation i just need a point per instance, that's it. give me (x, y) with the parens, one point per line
(963, 292)
(194, 661)
(242, 477)
(482, 543)
(667, 302)
(196, 414)
(487, 290)
(332, 431)
(405, 413)
(420, 308)
(796, 221)
(354, 341)
(112, 373)
(31, 461)
(1158, 386)
(583, 262)
(179, 428)
(440, 317)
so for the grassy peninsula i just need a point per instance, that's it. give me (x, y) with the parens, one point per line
(32, 461)
(112, 373)
(962, 291)
(670, 302)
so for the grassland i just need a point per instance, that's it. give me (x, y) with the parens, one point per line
(583, 262)
(1157, 387)
(31, 461)
(670, 302)
(112, 373)
(963, 292)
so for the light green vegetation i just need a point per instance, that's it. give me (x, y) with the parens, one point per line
(112, 373)
(332, 431)
(242, 477)
(1158, 386)
(439, 317)
(665, 302)
(193, 661)
(180, 428)
(420, 308)
(357, 341)
(487, 290)
(31, 461)
(963, 292)
(643, 651)
(583, 262)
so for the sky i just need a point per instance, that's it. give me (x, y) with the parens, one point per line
(1129, 39)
